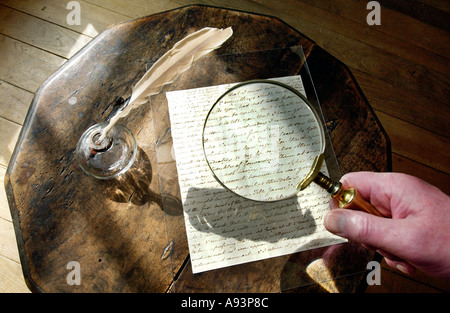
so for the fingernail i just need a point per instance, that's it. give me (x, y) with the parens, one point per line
(335, 222)
(401, 268)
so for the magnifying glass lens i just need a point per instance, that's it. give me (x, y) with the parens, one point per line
(260, 140)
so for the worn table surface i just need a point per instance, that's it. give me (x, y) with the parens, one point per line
(128, 234)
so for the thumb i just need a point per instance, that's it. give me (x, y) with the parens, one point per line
(379, 232)
(386, 235)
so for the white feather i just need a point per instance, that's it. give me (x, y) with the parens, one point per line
(174, 62)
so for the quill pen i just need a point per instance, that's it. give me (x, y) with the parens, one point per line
(174, 62)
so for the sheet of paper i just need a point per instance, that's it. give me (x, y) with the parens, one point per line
(222, 228)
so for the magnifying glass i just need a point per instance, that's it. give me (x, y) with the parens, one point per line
(264, 141)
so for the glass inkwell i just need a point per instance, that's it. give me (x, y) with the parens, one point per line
(107, 157)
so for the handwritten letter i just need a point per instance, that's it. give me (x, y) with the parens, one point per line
(224, 229)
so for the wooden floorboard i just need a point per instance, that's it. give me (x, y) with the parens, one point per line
(402, 66)
(417, 143)
(95, 18)
(39, 33)
(25, 66)
(424, 12)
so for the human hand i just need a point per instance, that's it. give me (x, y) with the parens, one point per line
(416, 233)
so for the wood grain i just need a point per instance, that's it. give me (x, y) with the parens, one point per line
(15, 102)
(18, 58)
(417, 144)
(49, 37)
(11, 277)
(428, 174)
(10, 133)
(95, 19)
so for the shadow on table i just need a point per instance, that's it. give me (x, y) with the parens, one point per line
(221, 212)
(134, 187)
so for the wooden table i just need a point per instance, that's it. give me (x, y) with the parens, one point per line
(128, 235)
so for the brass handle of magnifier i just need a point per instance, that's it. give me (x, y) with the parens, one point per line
(347, 198)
